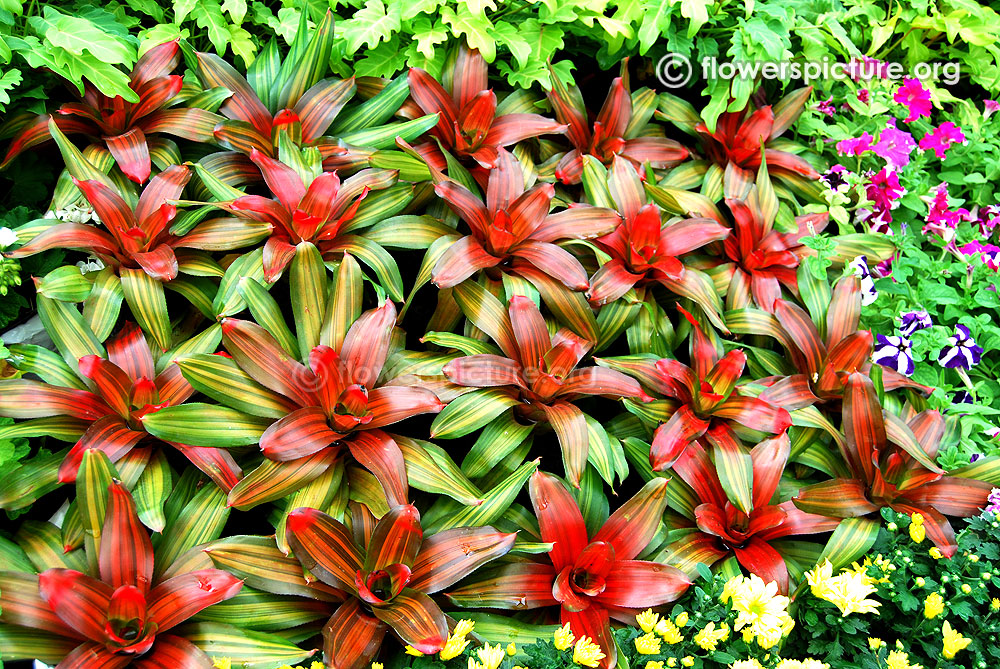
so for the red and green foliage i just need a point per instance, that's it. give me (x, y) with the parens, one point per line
(617, 130)
(388, 571)
(891, 463)
(592, 579)
(119, 615)
(469, 124)
(539, 376)
(123, 126)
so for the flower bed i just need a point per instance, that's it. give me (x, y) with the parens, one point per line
(440, 354)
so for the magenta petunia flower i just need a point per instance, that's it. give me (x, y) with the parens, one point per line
(915, 98)
(826, 107)
(941, 219)
(941, 138)
(863, 95)
(894, 146)
(990, 107)
(856, 145)
(884, 190)
(989, 254)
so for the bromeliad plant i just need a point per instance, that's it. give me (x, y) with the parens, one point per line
(315, 207)
(468, 124)
(706, 398)
(389, 572)
(619, 129)
(537, 378)
(891, 462)
(123, 125)
(591, 579)
(735, 514)
(515, 228)
(117, 613)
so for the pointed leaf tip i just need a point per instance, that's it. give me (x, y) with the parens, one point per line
(300, 519)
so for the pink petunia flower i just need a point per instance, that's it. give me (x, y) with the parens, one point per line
(915, 98)
(990, 107)
(941, 219)
(856, 145)
(894, 146)
(989, 254)
(863, 95)
(941, 138)
(986, 218)
(884, 190)
(826, 107)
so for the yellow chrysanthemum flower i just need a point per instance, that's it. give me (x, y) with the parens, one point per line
(935, 553)
(761, 613)
(647, 620)
(687, 661)
(222, 663)
(917, 530)
(375, 665)
(410, 650)
(682, 619)
(490, 657)
(933, 606)
(669, 631)
(808, 663)
(874, 642)
(847, 590)
(457, 643)
(752, 663)
(511, 649)
(647, 644)
(654, 664)
(953, 641)
(709, 637)
(586, 653)
(563, 638)
(995, 604)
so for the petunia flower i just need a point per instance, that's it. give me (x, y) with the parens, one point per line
(894, 146)
(884, 189)
(863, 95)
(877, 219)
(835, 179)
(855, 146)
(942, 138)
(868, 291)
(893, 352)
(826, 107)
(986, 218)
(963, 397)
(911, 321)
(915, 98)
(962, 351)
(989, 254)
(990, 107)
(867, 68)
(941, 219)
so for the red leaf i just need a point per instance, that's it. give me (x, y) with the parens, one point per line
(320, 105)
(809, 351)
(192, 124)
(298, 434)
(758, 557)
(173, 652)
(283, 181)
(91, 655)
(484, 371)
(460, 261)
(468, 77)
(23, 605)
(396, 539)
(366, 344)
(68, 236)
(447, 557)
(476, 116)
(555, 261)
(391, 404)
(519, 585)
(530, 332)
(379, 454)
(160, 263)
(635, 584)
(79, 600)
(433, 99)
(110, 435)
(156, 62)
(416, 619)
(351, 637)
(216, 463)
(178, 598)
(570, 426)
(129, 350)
(126, 553)
(468, 207)
(113, 384)
(952, 495)
(696, 469)
(601, 381)
(672, 438)
(582, 222)
(610, 282)
(244, 103)
(559, 519)
(131, 153)
(769, 459)
(116, 215)
(260, 356)
(754, 413)
(324, 546)
(593, 622)
(659, 152)
(840, 498)
(617, 110)
(513, 128)
(630, 529)
(864, 428)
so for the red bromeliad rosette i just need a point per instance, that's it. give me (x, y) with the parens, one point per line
(390, 571)
(590, 579)
(123, 618)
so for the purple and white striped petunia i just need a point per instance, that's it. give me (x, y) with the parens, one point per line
(962, 397)
(911, 321)
(893, 352)
(962, 351)
(868, 291)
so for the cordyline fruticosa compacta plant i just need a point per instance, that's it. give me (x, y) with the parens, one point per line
(363, 314)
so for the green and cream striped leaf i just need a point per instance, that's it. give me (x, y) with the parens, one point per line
(308, 287)
(495, 502)
(431, 469)
(471, 412)
(245, 648)
(201, 520)
(152, 490)
(148, 303)
(104, 303)
(68, 331)
(201, 424)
